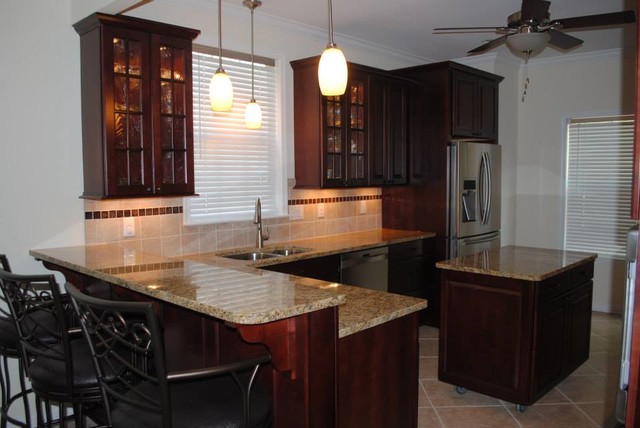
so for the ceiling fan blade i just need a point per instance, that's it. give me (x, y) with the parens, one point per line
(489, 45)
(535, 10)
(562, 40)
(615, 18)
(492, 29)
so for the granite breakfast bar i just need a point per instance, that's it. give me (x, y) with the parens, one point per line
(341, 356)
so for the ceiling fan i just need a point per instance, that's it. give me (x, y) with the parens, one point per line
(529, 30)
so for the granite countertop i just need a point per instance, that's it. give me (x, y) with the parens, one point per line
(237, 291)
(527, 263)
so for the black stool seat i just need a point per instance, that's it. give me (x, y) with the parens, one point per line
(204, 403)
(9, 339)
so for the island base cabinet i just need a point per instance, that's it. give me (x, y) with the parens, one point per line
(514, 339)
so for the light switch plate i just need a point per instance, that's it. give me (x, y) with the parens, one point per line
(321, 210)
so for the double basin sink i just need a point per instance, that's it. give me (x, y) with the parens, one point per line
(265, 254)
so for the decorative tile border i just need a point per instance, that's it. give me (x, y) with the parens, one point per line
(333, 200)
(137, 212)
(142, 212)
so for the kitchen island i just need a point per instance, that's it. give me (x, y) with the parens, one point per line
(341, 356)
(515, 320)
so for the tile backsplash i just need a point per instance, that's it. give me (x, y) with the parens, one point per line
(159, 227)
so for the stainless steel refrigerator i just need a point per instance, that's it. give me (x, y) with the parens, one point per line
(627, 330)
(474, 197)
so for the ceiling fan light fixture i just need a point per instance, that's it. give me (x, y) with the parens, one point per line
(528, 44)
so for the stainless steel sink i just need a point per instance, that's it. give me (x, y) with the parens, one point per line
(287, 251)
(253, 255)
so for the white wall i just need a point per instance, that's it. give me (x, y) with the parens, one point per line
(570, 86)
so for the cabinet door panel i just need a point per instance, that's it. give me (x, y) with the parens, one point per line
(126, 86)
(171, 60)
(579, 325)
(487, 116)
(550, 344)
(463, 93)
(398, 139)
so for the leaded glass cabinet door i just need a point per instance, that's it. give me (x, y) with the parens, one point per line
(357, 123)
(126, 85)
(333, 142)
(171, 58)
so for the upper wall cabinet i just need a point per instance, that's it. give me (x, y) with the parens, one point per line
(338, 140)
(474, 104)
(137, 120)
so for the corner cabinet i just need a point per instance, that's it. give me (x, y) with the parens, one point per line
(137, 120)
(339, 139)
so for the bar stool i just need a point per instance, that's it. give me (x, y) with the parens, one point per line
(57, 359)
(126, 339)
(10, 350)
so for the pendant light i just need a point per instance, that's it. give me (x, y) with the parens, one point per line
(332, 71)
(220, 88)
(253, 112)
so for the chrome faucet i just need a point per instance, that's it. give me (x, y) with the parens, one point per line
(257, 220)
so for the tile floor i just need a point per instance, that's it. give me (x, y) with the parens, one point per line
(585, 399)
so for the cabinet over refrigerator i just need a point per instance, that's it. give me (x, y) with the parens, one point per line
(474, 197)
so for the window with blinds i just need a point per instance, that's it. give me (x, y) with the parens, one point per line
(598, 184)
(234, 165)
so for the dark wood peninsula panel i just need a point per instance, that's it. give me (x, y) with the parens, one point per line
(137, 108)
(357, 139)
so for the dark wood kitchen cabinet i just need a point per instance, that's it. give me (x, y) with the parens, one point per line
(388, 130)
(514, 339)
(354, 140)
(137, 120)
(474, 105)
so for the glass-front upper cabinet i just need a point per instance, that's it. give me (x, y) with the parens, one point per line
(345, 134)
(136, 105)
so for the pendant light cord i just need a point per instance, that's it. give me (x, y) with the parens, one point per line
(253, 100)
(331, 44)
(220, 35)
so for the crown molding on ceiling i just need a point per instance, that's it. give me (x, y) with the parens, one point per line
(237, 13)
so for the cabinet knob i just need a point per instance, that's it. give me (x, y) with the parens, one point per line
(149, 189)
(158, 189)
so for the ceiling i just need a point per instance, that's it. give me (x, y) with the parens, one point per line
(406, 25)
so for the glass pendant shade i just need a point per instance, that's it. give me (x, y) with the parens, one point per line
(220, 91)
(253, 115)
(529, 44)
(332, 72)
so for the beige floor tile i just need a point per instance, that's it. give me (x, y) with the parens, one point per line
(602, 413)
(427, 418)
(587, 369)
(605, 343)
(554, 416)
(423, 399)
(553, 397)
(428, 368)
(478, 417)
(443, 395)
(428, 347)
(587, 389)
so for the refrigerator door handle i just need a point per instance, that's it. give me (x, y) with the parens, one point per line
(485, 186)
(489, 186)
(472, 241)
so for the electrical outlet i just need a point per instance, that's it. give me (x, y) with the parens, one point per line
(296, 212)
(128, 226)
(321, 210)
(363, 207)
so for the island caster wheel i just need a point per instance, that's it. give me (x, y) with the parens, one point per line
(521, 408)
(460, 389)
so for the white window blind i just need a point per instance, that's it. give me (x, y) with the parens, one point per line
(598, 184)
(234, 165)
